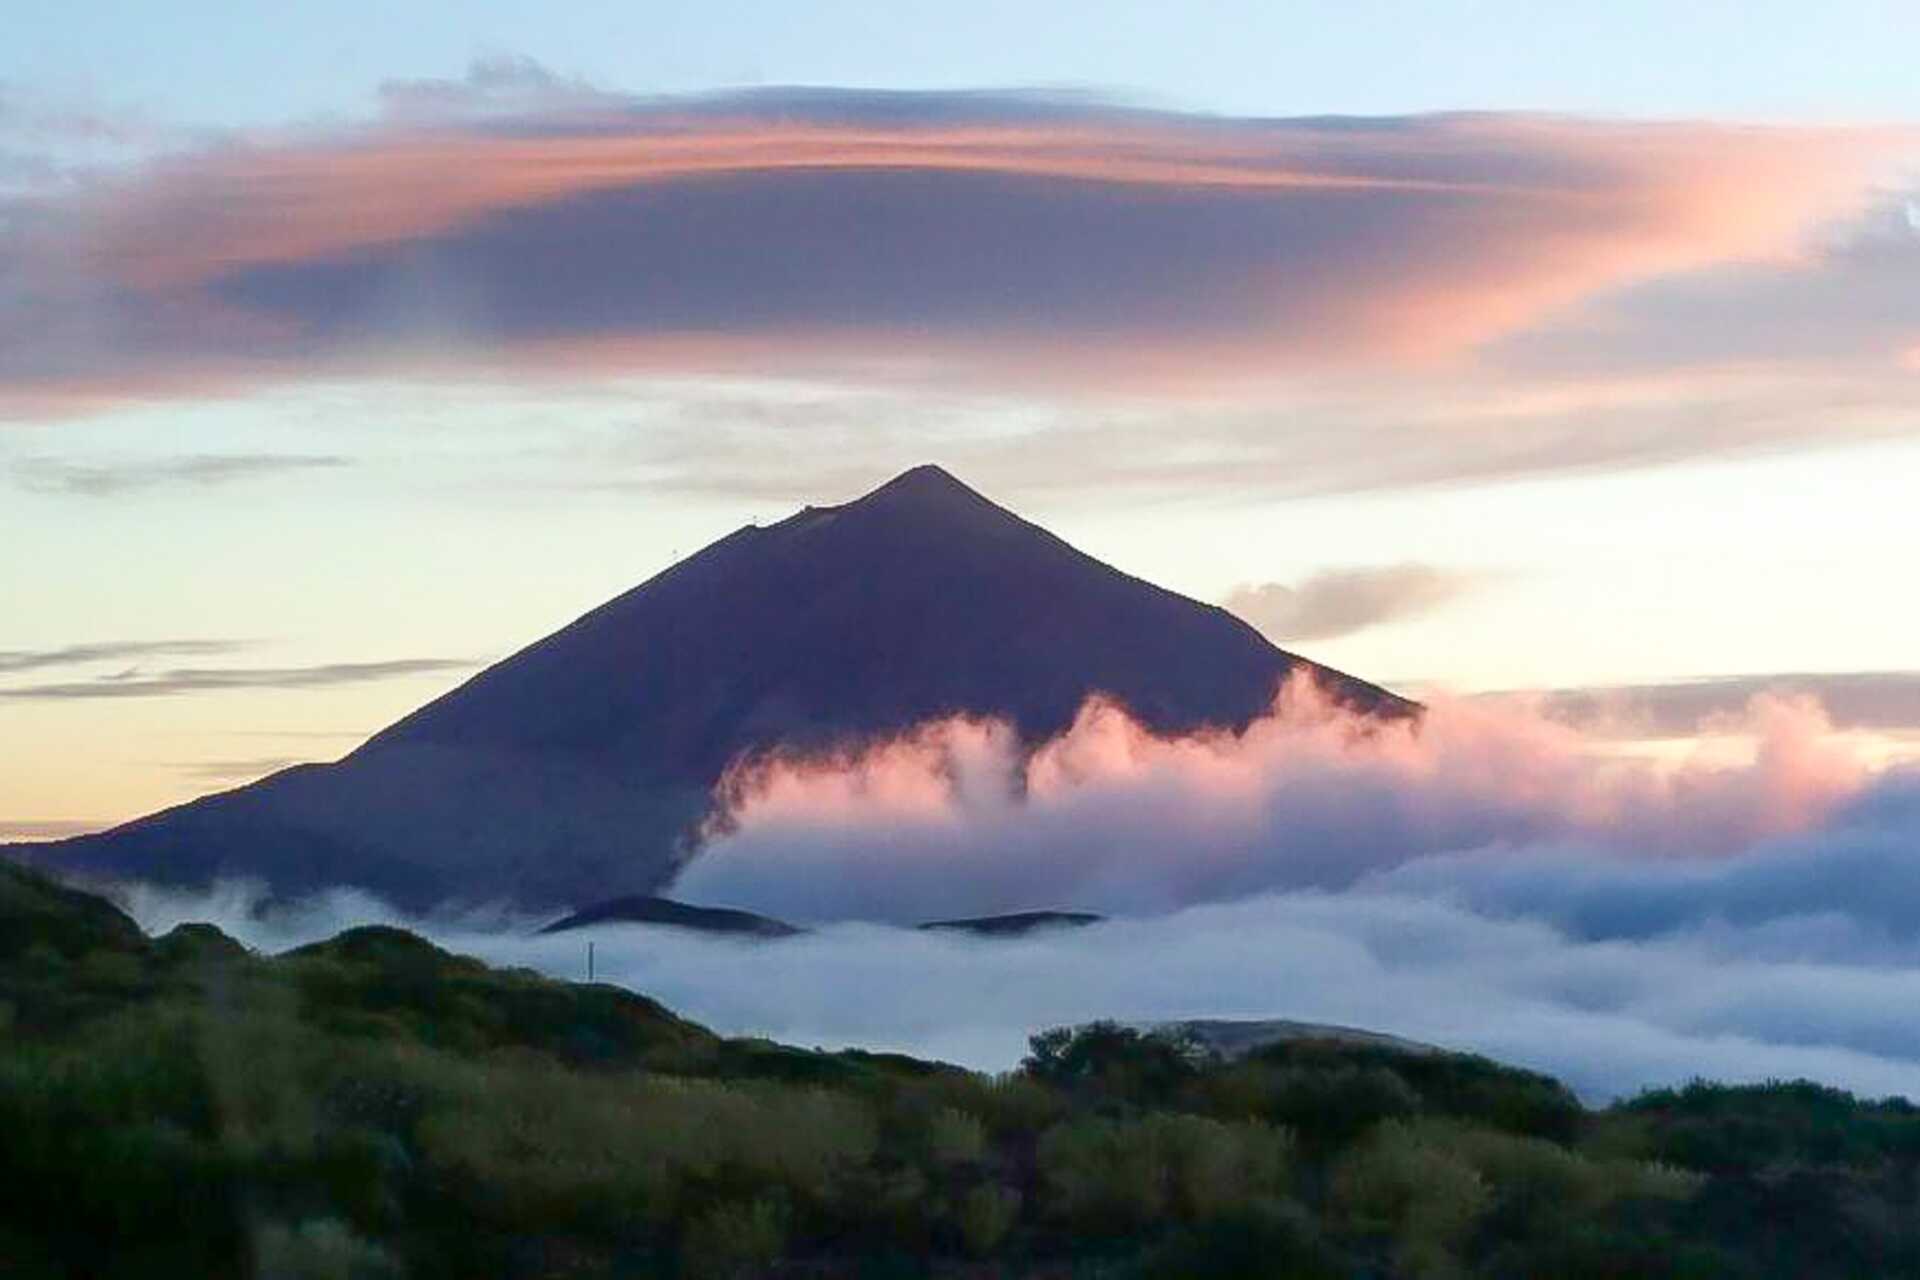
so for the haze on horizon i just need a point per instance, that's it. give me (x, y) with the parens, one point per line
(1491, 349)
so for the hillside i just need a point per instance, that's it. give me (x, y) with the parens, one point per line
(373, 1106)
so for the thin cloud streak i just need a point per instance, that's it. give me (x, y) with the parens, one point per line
(790, 441)
(14, 661)
(1884, 700)
(185, 680)
(237, 771)
(111, 479)
(48, 829)
(1342, 601)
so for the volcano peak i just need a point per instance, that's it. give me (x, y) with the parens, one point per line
(575, 770)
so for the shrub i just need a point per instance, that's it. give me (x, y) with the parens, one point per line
(734, 1240)
(987, 1214)
(1117, 1175)
(1331, 1106)
(1018, 1104)
(1731, 1128)
(541, 1144)
(1109, 1060)
(1262, 1241)
(1458, 1085)
(1217, 1168)
(1407, 1186)
(1097, 1180)
(105, 1160)
(320, 1249)
(259, 1063)
(953, 1137)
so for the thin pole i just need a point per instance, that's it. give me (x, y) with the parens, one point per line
(589, 962)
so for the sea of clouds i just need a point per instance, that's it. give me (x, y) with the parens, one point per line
(1485, 879)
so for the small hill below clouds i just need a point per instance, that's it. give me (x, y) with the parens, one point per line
(577, 769)
(652, 910)
(1015, 924)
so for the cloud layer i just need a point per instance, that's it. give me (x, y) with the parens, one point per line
(1492, 882)
(1608, 1017)
(107, 480)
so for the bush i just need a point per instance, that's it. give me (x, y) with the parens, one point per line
(1264, 1241)
(1331, 1107)
(953, 1137)
(1105, 1059)
(1119, 1175)
(734, 1240)
(540, 1144)
(1735, 1128)
(1406, 1186)
(1457, 1085)
(987, 1214)
(321, 1249)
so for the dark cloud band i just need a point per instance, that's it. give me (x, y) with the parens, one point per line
(1883, 700)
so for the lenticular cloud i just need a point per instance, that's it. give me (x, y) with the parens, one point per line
(958, 817)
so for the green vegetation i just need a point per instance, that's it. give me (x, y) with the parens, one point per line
(374, 1107)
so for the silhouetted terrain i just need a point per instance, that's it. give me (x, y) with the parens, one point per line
(1238, 1037)
(646, 909)
(1016, 923)
(575, 770)
(373, 1106)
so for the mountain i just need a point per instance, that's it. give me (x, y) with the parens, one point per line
(579, 768)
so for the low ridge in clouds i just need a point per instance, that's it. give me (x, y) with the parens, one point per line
(1339, 602)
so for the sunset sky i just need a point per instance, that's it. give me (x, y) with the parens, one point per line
(1470, 346)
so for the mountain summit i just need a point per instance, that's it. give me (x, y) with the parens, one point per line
(574, 770)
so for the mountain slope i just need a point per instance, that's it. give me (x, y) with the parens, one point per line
(574, 770)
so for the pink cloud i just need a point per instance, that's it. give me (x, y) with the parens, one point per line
(1013, 241)
(955, 818)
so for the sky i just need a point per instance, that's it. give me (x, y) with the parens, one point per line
(1472, 347)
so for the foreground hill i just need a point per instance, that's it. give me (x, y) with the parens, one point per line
(372, 1106)
(574, 771)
